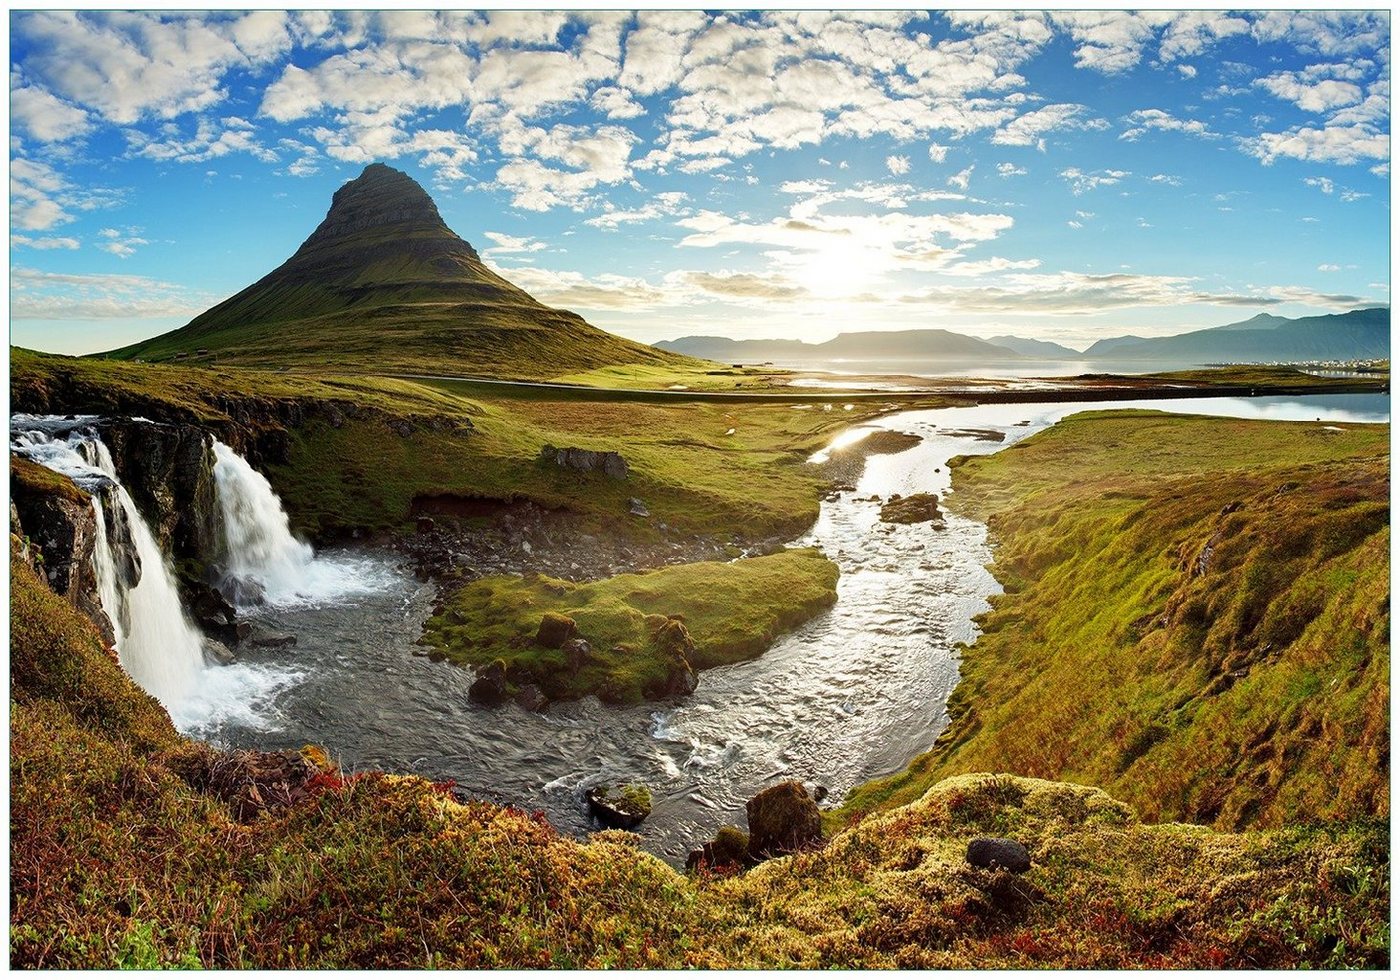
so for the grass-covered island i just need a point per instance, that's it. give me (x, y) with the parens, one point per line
(626, 637)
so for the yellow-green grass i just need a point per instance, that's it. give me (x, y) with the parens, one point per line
(693, 474)
(693, 375)
(29, 478)
(732, 610)
(1196, 618)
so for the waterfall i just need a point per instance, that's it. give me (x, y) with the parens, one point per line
(263, 562)
(156, 642)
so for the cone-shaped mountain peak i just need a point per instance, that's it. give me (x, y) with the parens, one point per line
(383, 285)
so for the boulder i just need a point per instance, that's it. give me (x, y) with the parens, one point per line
(729, 849)
(555, 630)
(577, 650)
(783, 819)
(620, 809)
(636, 508)
(490, 686)
(425, 525)
(531, 698)
(673, 641)
(915, 509)
(210, 611)
(610, 464)
(999, 852)
(217, 652)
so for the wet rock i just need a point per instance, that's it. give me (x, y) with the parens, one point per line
(620, 809)
(999, 852)
(918, 508)
(783, 819)
(555, 630)
(531, 698)
(490, 686)
(210, 611)
(729, 850)
(218, 652)
(677, 647)
(273, 640)
(169, 471)
(610, 464)
(425, 525)
(576, 650)
(819, 793)
(636, 508)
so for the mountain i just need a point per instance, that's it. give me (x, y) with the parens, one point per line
(927, 344)
(383, 284)
(1041, 349)
(1357, 335)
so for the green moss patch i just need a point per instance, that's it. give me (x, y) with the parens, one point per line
(731, 611)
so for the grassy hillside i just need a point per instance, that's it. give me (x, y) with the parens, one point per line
(133, 847)
(732, 611)
(383, 285)
(1196, 618)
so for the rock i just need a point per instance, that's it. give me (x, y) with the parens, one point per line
(555, 630)
(917, 508)
(577, 650)
(783, 819)
(210, 611)
(425, 525)
(490, 687)
(273, 640)
(636, 508)
(217, 652)
(620, 810)
(999, 852)
(531, 698)
(729, 850)
(610, 464)
(819, 792)
(677, 646)
(168, 468)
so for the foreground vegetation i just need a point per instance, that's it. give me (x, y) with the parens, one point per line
(133, 847)
(1196, 618)
(727, 611)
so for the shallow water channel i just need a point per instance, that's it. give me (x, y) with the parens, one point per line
(853, 694)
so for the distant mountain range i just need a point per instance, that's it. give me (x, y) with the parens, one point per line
(1357, 335)
(383, 285)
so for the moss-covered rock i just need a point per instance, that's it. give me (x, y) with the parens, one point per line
(554, 630)
(783, 819)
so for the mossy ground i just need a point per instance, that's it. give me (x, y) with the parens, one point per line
(732, 610)
(1196, 618)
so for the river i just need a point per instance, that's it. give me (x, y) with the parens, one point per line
(855, 693)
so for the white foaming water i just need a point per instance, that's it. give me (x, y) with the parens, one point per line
(156, 643)
(265, 563)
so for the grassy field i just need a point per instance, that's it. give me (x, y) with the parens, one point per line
(1196, 618)
(732, 611)
(701, 467)
(132, 847)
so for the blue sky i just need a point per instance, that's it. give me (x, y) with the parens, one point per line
(1066, 176)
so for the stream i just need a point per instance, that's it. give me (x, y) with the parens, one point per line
(853, 694)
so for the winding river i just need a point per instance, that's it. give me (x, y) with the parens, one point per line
(853, 694)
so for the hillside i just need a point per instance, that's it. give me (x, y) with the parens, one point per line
(872, 344)
(134, 847)
(1357, 335)
(1196, 618)
(1043, 349)
(383, 285)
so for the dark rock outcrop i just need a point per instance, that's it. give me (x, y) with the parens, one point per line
(169, 471)
(56, 519)
(555, 630)
(531, 698)
(728, 851)
(490, 686)
(676, 646)
(211, 612)
(916, 508)
(999, 852)
(576, 650)
(610, 464)
(783, 819)
(620, 809)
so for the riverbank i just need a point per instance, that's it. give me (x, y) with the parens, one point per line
(1195, 618)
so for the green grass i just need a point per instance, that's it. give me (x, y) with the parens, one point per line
(1196, 618)
(732, 611)
(119, 860)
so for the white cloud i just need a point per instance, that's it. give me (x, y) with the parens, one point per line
(1142, 120)
(45, 243)
(1330, 144)
(1329, 267)
(1080, 182)
(1311, 95)
(897, 165)
(43, 115)
(209, 141)
(1187, 71)
(511, 243)
(41, 197)
(1323, 184)
(1171, 180)
(961, 179)
(937, 152)
(1030, 129)
(39, 295)
(1010, 170)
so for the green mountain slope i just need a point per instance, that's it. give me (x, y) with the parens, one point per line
(384, 285)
